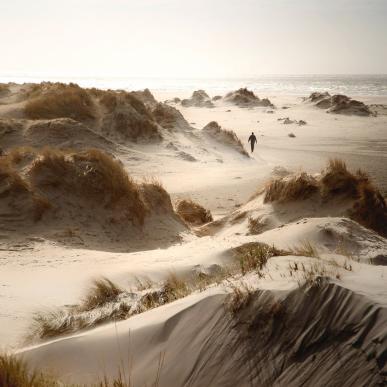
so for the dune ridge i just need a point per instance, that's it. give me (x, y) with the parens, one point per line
(81, 191)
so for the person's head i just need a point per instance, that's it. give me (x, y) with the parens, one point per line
(252, 133)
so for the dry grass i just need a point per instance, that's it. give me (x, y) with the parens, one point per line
(101, 292)
(4, 88)
(155, 196)
(89, 313)
(305, 249)
(109, 99)
(53, 323)
(239, 298)
(41, 206)
(91, 174)
(89, 179)
(127, 115)
(292, 188)
(175, 287)
(106, 302)
(370, 208)
(336, 181)
(11, 179)
(20, 154)
(193, 213)
(172, 289)
(167, 116)
(254, 226)
(253, 256)
(15, 372)
(17, 189)
(61, 101)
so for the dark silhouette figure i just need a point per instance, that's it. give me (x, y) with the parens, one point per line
(252, 141)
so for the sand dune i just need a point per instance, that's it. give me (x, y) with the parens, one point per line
(246, 98)
(339, 104)
(275, 338)
(84, 198)
(223, 136)
(286, 286)
(199, 98)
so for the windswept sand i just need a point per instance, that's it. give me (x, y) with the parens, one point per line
(202, 344)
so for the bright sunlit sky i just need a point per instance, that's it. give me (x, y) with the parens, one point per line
(192, 38)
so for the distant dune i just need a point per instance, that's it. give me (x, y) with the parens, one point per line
(339, 104)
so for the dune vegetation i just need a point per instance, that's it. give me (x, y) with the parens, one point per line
(89, 176)
(193, 213)
(4, 88)
(106, 301)
(224, 136)
(15, 372)
(335, 181)
(60, 100)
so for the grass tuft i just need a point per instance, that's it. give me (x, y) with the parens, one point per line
(291, 188)
(368, 204)
(254, 256)
(239, 298)
(91, 174)
(101, 292)
(60, 101)
(15, 372)
(254, 226)
(305, 249)
(193, 213)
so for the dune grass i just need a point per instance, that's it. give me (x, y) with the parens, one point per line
(14, 372)
(253, 256)
(4, 88)
(298, 187)
(254, 226)
(336, 181)
(16, 155)
(239, 298)
(101, 292)
(370, 208)
(16, 189)
(11, 179)
(106, 301)
(305, 249)
(225, 136)
(192, 212)
(60, 101)
(91, 174)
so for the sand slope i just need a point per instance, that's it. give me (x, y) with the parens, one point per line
(316, 316)
(339, 337)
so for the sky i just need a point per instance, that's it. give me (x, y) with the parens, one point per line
(192, 38)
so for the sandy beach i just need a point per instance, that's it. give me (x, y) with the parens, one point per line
(50, 264)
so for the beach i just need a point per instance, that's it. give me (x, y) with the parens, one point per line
(50, 268)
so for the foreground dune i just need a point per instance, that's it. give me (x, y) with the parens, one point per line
(278, 337)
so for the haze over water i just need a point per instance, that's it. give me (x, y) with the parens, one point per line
(351, 85)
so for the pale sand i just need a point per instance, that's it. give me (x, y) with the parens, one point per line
(44, 274)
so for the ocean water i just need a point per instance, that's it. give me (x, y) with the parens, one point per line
(352, 85)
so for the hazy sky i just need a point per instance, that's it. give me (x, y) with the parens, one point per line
(192, 38)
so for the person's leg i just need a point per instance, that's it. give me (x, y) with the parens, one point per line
(252, 147)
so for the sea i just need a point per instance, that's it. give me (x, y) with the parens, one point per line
(352, 85)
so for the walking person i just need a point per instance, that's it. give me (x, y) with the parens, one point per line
(252, 141)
